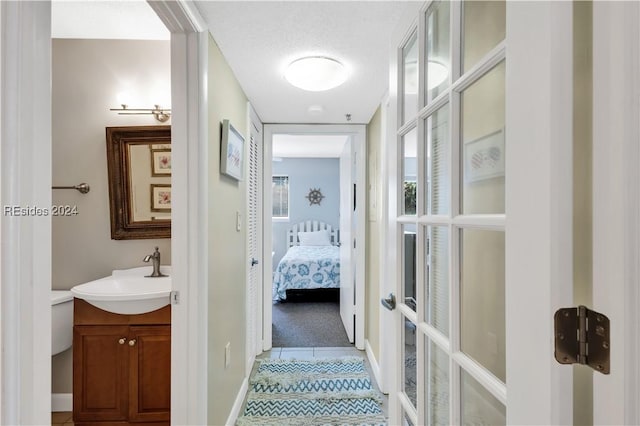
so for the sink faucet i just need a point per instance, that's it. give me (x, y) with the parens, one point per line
(155, 258)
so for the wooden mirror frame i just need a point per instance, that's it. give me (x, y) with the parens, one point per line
(120, 203)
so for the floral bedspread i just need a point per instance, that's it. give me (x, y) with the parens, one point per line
(307, 267)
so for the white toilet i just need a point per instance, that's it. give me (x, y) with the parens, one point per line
(61, 321)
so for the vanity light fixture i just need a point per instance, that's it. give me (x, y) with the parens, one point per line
(316, 73)
(161, 114)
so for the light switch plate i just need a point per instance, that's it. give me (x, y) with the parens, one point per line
(238, 221)
(227, 354)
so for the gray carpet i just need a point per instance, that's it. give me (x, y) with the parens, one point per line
(308, 324)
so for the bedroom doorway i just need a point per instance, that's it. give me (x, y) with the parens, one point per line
(313, 257)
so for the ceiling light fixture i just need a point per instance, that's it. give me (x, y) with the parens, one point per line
(436, 74)
(316, 73)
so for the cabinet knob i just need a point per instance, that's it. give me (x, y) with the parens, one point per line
(132, 342)
(122, 341)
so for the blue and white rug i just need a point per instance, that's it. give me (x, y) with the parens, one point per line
(331, 391)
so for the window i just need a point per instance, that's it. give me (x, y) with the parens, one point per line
(280, 196)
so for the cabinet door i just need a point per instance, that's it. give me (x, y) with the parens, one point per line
(150, 373)
(100, 373)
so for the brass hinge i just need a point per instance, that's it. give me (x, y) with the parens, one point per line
(582, 337)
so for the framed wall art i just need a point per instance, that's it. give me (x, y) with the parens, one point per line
(232, 151)
(160, 198)
(160, 162)
(484, 157)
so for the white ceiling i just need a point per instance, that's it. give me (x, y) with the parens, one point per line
(106, 19)
(259, 38)
(308, 146)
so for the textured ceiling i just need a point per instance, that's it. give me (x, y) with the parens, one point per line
(308, 146)
(259, 39)
(106, 19)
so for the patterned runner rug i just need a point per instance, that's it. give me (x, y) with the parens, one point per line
(331, 391)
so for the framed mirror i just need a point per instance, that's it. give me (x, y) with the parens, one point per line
(139, 171)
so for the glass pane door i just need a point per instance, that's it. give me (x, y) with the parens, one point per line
(451, 215)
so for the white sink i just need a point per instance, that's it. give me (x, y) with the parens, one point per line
(127, 291)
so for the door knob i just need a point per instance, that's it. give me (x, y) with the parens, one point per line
(254, 261)
(389, 302)
(122, 341)
(132, 342)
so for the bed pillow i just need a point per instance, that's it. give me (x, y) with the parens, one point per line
(316, 238)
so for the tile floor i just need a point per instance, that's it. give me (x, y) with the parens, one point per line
(61, 418)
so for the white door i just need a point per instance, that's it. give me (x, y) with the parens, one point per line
(616, 205)
(254, 240)
(347, 276)
(480, 160)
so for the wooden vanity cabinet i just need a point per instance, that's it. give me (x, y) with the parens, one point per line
(121, 367)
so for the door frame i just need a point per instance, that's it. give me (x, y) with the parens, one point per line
(25, 59)
(616, 205)
(358, 132)
(189, 251)
(25, 397)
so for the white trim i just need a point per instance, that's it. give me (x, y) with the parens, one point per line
(181, 16)
(61, 402)
(373, 362)
(189, 67)
(385, 325)
(267, 240)
(25, 265)
(359, 140)
(237, 404)
(616, 204)
(491, 383)
(539, 271)
(407, 407)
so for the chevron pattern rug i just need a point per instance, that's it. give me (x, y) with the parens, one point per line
(335, 391)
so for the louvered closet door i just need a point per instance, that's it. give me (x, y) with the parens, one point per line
(254, 272)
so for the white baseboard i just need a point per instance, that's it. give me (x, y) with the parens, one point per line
(62, 402)
(237, 405)
(375, 367)
(249, 365)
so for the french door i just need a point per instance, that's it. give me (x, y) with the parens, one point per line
(480, 149)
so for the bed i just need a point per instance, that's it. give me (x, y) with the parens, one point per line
(311, 262)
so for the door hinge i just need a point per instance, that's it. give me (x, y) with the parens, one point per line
(175, 297)
(582, 337)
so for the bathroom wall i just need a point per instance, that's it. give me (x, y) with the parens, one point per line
(304, 174)
(87, 76)
(227, 246)
(375, 229)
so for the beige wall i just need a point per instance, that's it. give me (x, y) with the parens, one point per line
(87, 75)
(375, 228)
(227, 246)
